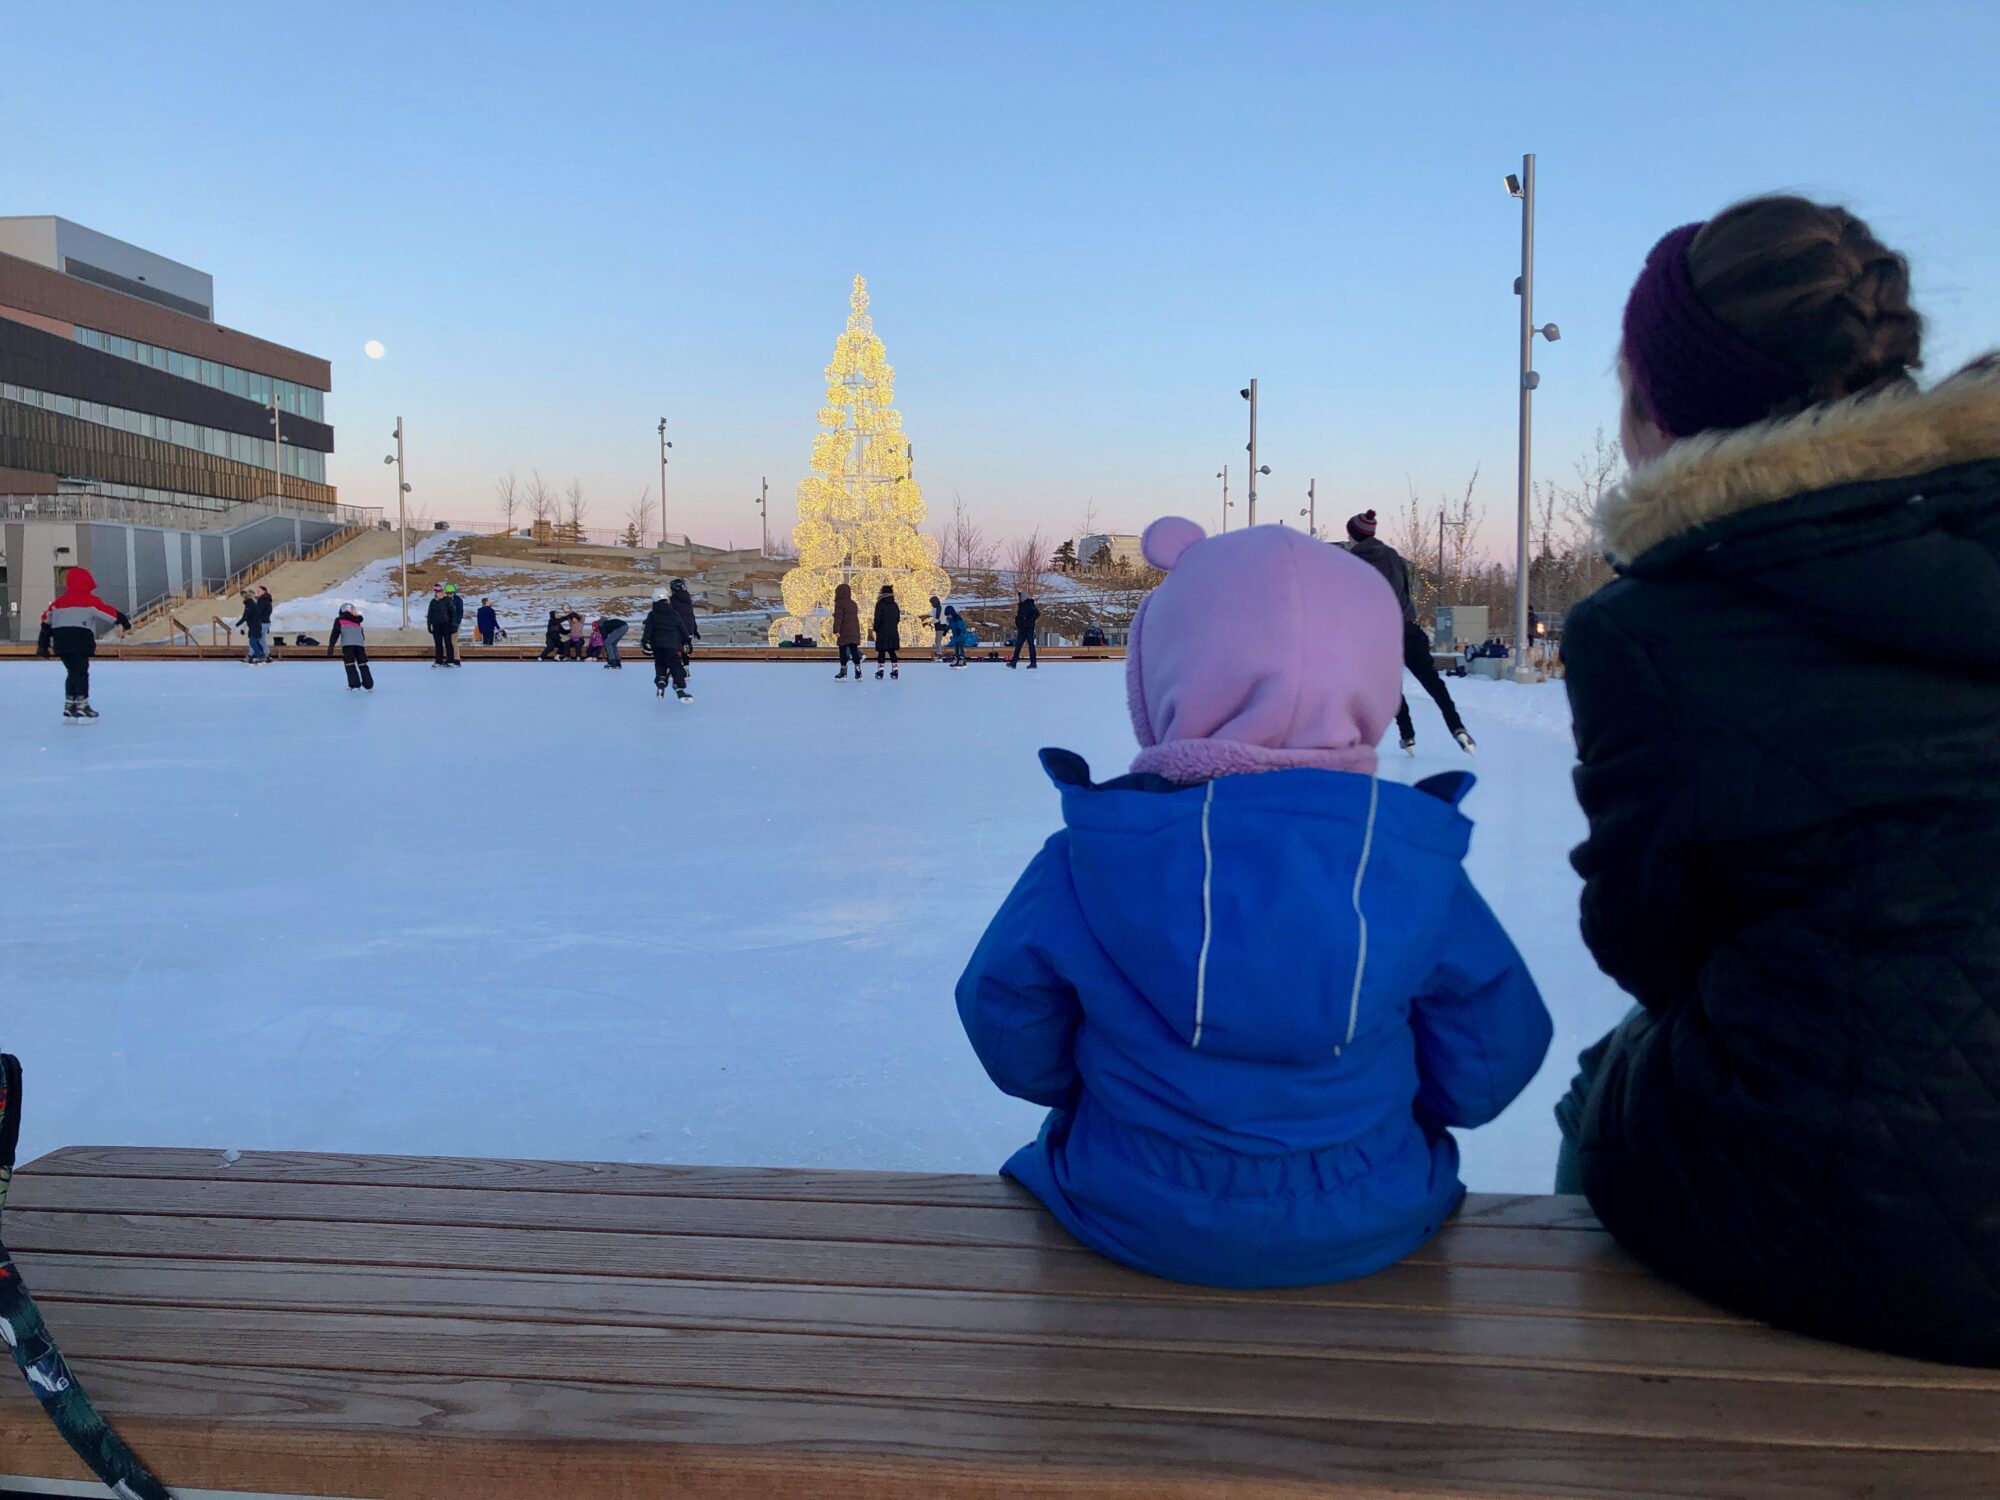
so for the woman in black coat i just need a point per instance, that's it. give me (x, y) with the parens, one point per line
(888, 632)
(1788, 727)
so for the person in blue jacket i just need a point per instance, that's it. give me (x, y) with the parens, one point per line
(1252, 981)
(960, 634)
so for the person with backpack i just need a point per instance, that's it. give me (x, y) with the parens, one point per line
(350, 638)
(70, 627)
(1386, 560)
(665, 636)
(847, 630)
(888, 632)
(1787, 723)
(1251, 980)
(1026, 613)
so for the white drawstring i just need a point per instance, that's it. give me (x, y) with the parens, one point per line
(1360, 918)
(1207, 917)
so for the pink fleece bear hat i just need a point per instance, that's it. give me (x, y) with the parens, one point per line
(1263, 650)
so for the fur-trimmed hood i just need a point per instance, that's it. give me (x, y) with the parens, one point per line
(1893, 435)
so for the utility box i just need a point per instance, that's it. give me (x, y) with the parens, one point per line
(1460, 625)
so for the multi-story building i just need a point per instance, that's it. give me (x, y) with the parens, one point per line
(122, 399)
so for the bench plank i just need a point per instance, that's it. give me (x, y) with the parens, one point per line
(1333, 1387)
(1040, 1273)
(1164, 1322)
(916, 1189)
(293, 1431)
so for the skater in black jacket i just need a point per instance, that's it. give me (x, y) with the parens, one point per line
(611, 630)
(443, 617)
(667, 638)
(352, 642)
(888, 632)
(1386, 560)
(683, 603)
(555, 641)
(1026, 613)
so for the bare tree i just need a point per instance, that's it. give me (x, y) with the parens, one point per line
(1028, 559)
(507, 492)
(575, 507)
(639, 518)
(963, 548)
(541, 500)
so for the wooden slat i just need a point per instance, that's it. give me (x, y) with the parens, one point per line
(1690, 1350)
(1492, 1242)
(748, 1218)
(1411, 1284)
(306, 1432)
(916, 1189)
(1265, 1385)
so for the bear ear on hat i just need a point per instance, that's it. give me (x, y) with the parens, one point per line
(1167, 538)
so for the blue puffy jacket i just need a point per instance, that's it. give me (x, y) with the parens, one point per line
(1253, 1006)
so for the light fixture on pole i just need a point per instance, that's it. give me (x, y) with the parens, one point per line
(1311, 512)
(1223, 475)
(1249, 393)
(764, 511)
(1523, 187)
(664, 446)
(402, 523)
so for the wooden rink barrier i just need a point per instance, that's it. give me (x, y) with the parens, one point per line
(407, 1328)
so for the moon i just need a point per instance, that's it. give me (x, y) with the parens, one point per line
(373, 349)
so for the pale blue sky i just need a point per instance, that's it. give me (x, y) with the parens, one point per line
(1084, 225)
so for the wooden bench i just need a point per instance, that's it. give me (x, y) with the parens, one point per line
(424, 1329)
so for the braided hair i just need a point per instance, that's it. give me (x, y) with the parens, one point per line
(1810, 285)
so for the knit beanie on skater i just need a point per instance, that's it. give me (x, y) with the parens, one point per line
(1361, 527)
(1263, 650)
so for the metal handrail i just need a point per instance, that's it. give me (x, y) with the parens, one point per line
(87, 506)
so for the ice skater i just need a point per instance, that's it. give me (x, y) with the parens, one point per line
(251, 623)
(683, 603)
(351, 640)
(1026, 613)
(960, 634)
(1251, 980)
(70, 627)
(446, 611)
(938, 632)
(1386, 560)
(847, 629)
(888, 632)
(666, 637)
(611, 630)
(487, 623)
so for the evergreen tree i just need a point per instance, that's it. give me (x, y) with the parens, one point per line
(859, 509)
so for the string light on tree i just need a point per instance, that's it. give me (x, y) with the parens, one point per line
(859, 509)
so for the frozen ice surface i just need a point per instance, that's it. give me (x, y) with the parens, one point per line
(532, 910)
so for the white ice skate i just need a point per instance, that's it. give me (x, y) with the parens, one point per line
(1464, 739)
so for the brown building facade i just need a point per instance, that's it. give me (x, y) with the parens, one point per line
(121, 393)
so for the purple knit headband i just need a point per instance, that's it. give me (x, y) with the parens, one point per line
(1693, 372)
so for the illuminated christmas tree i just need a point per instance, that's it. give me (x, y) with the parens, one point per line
(859, 510)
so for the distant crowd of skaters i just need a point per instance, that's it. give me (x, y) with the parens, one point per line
(950, 632)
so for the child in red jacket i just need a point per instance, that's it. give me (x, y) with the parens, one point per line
(70, 627)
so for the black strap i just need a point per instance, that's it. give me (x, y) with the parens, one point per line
(41, 1362)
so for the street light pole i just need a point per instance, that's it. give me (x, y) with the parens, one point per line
(1224, 477)
(1311, 512)
(1523, 187)
(665, 445)
(1250, 395)
(764, 511)
(277, 446)
(402, 522)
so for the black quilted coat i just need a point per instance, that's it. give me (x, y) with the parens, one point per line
(1788, 722)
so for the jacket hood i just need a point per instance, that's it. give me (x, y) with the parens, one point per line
(1262, 650)
(1897, 434)
(78, 583)
(1870, 518)
(1235, 907)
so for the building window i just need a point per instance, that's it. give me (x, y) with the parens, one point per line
(298, 400)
